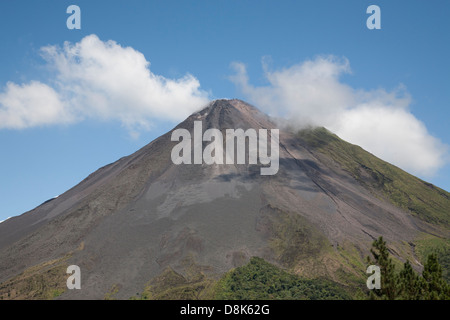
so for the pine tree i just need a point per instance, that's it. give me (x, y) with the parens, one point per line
(389, 280)
(434, 287)
(409, 283)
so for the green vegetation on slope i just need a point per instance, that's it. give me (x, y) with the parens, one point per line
(428, 244)
(404, 190)
(301, 248)
(171, 285)
(293, 238)
(422, 199)
(45, 281)
(262, 280)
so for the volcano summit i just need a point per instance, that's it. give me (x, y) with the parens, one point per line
(146, 222)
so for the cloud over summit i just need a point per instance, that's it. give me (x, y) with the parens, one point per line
(311, 93)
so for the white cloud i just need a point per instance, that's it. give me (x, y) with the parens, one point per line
(393, 134)
(30, 105)
(307, 91)
(100, 80)
(377, 120)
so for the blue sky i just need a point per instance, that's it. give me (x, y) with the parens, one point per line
(264, 52)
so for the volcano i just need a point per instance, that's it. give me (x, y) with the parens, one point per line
(144, 221)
